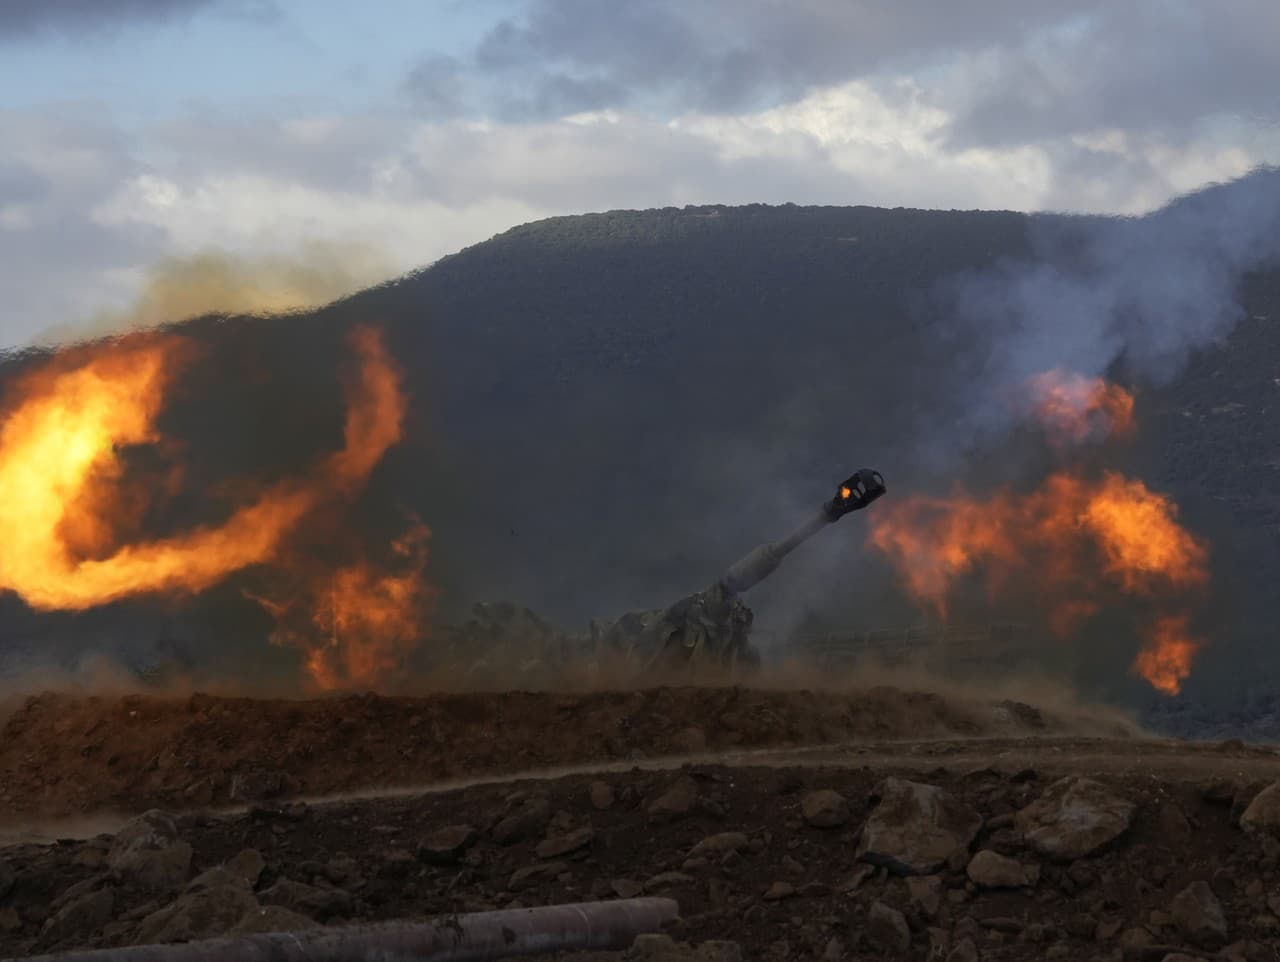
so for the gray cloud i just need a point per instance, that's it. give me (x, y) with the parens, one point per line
(1013, 72)
(55, 257)
(24, 17)
(437, 85)
(1136, 67)
(718, 56)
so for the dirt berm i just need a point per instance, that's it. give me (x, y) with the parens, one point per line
(65, 755)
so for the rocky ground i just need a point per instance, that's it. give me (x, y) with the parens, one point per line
(1010, 846)
(63, 755)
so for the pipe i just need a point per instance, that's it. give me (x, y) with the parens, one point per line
(477, 937)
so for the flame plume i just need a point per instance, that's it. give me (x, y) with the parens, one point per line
(1165, 659)
(65, 508)
(1069, 542)
(1074, 409)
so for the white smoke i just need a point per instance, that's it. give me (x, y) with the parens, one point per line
(1148, 290)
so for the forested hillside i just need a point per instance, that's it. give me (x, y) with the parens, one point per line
(609, 409)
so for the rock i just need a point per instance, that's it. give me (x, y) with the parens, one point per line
(926, 894)
(397, 864)
(626, 888)
(149, 853)
(1172, 826)
(917, 829)
(533, 875)
(676, 801)
(445, 845)
(1181, 957)
(718, 950)
(272, 918)
(319, 903)
(1002, 923)
(80, 918)
(602, 796)
(560, 823)
(793, 866)
(343, 870)
(1134, 941)
(666, 880)
(691, 741)
(1074, 817)
(1263, 813)
(825, 809)
(855, 879)
(964, 951)
(723, 842)
(10, 921)
(529, 820)
(7, 877)
(80, 889)
(201, 914)
(887, 929)
(248, 864)
(256, 786)
(1198, 916)
(559, 845)
(992, 871)
(1106, 931)
(778, 891)
(215, 877)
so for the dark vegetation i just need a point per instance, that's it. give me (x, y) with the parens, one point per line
(609, 409)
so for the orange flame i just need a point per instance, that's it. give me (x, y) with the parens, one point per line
(1073, 408)
(357, 624)
(1067, 542)
(64, 509)
(61, 437)
(1165, 659)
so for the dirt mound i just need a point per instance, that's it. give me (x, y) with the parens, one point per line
(798, 863)
(64, 755)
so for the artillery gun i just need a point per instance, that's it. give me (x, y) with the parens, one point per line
(713, 626)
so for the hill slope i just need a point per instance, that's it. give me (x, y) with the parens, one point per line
(608, 409)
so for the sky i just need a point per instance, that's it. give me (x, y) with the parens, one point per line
(136, 134)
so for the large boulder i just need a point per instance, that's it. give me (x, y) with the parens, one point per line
(887, 929)
(529, 819)
(1198, 916)
(200, 914)
(917, 829)
(1263, 813)
(825, 809)
(80, 918)
(1074, 817)
(446, 845)
(991, 870)
(312, 900)
(148, 852)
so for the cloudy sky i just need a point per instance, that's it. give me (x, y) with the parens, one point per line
(390, 132)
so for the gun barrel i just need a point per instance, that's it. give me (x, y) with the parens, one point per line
(858, 491)
(751, 569)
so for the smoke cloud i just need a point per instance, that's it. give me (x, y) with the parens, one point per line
(1144, 292)
(216, 282)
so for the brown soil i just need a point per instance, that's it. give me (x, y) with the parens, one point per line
(64, 756)
(1080, 908)
(370, 858)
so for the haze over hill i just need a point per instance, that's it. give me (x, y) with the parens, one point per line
(608, 409)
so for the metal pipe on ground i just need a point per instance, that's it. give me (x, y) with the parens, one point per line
(475, 937)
